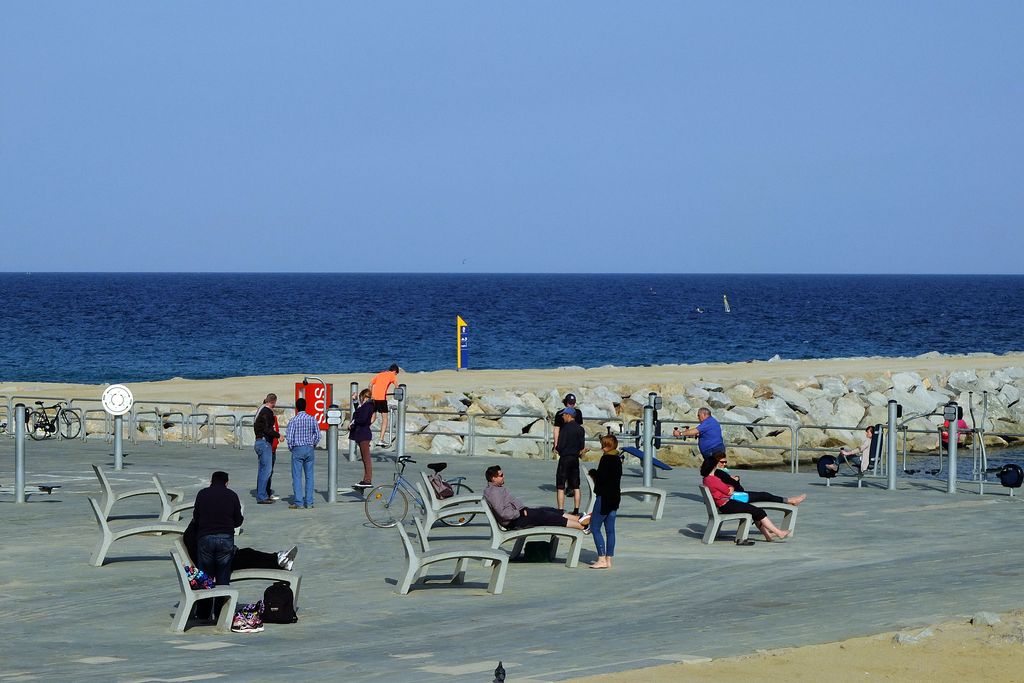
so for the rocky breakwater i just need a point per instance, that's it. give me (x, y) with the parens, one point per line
(830, 411)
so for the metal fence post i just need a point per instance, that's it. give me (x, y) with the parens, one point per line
(332, 459)
(953, 434)
(19, 453)
(471, 436)
(890, 446)
(400, 396)
(353, 392)
(794, 454)
(118, 442)
(648, 440)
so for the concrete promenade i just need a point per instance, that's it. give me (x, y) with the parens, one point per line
(862, 561)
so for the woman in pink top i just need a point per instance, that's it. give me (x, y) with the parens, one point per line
(722, 493)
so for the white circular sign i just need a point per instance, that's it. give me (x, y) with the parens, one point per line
(117, 399)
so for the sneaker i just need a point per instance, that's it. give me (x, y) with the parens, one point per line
(293, 506)
(285, 558)
(585, 519)
(309, 507)
(586, 530)
(381, 444)
(265, 502)
(363, 485)
(273, 497)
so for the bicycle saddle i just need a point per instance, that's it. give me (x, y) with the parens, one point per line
(39, 403)
(437, 466)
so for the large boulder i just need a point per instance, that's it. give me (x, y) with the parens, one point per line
(520, 448)
(516, 425)
(876, 398)
(1009, 395)
(455, 402)
(905, 381)
(697, 392)
(859, 385)
(448, 427)
(793, 398)
(443, 444)
(498, 402)
(749, 457)
(919, 401)
(962, 380)
(734, 434)
(777, 410)
(596, 410)
(718, 399)
(602, 394)
(741, 395)
(833, 386)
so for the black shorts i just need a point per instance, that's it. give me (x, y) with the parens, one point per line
(567, 476)
(380, 406)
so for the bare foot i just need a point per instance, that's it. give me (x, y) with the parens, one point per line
(782, 534)
(797, 499)
(600, 565)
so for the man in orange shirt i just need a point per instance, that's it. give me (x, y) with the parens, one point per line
(379, 386)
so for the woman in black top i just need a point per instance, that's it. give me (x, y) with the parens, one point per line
(607, 492)
(359, 431)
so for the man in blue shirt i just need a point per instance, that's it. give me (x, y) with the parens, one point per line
(708, 433)
(302, 434)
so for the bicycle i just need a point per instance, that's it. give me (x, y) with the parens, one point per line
(42, 426)
(388, 504)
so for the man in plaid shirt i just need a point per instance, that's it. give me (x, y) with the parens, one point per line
(302, 435)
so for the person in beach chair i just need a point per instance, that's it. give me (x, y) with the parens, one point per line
(861, 458)
(731, 501)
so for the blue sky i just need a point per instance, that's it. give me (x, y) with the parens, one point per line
(512, 137)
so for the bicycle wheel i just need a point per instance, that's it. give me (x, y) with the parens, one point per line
(386, 506)
(36, 425)
(69, 424)
(462, 520)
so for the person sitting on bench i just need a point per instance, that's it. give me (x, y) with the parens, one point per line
(723, 495)
(857, 458)
(512, 514)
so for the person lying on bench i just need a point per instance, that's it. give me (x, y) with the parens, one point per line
(512, 514)
(723, 495)
(245, 558)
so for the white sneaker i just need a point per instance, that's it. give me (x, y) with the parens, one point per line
(275, 497)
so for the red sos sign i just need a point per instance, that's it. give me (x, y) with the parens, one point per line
(317, 400)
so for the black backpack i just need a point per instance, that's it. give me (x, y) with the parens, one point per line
(1011, 476)
(279, 604)
(823, 466)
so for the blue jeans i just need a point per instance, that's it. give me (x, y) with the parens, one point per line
(215, 554)
(302, 464)
(597, 520)
(265, 454)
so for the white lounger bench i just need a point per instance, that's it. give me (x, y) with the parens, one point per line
(292, 578)
(189, 597)
(417, 561)
(500, 536)
(108, 536)
(659, 495)
(716, 518)
(110, 497)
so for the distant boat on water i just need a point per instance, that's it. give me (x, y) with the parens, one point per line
(725, 302)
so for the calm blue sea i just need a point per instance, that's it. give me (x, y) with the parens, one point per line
(134, 327)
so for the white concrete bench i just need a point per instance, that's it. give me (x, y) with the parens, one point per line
(417, 561)
(170, 510)
(500, 536)
(109, 536)
(464, 511)
(659, 495)
(716, 518)
(292, 578)
(189, 597)
(110, 497)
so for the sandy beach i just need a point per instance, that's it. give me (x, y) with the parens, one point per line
(944, 653)
(251, 390)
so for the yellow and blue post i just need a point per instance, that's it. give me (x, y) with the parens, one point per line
(462, 343)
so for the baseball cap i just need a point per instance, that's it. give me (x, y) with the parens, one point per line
(569, 398)
(569, 411)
